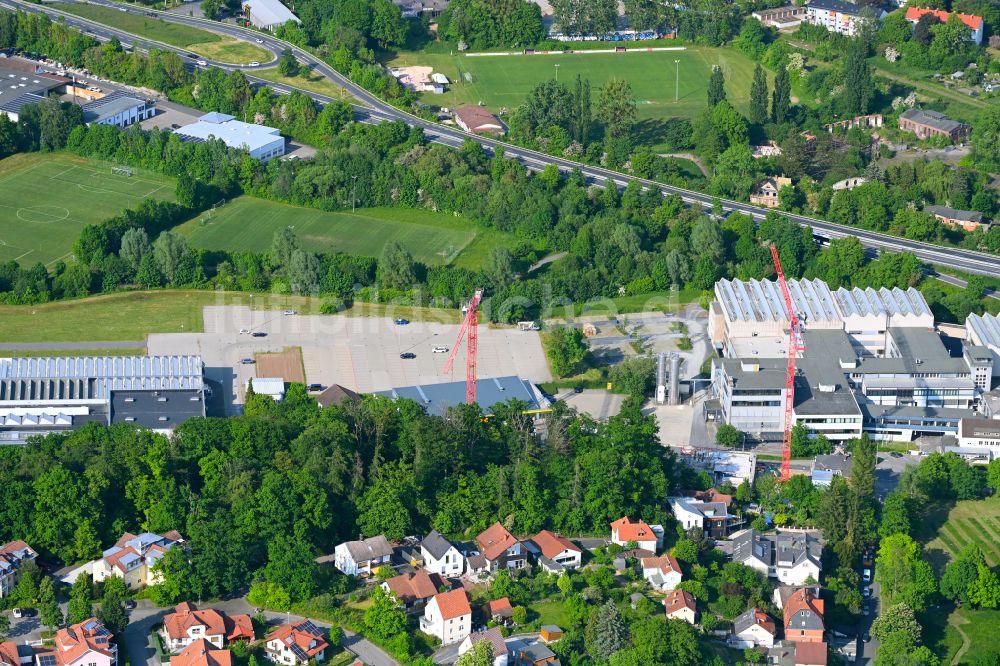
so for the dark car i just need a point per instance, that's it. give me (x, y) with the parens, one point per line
(248, 361)
(130, 605)
(315, 387)
(402, 322)
(577, 389)
(259, 334)
(407, 355)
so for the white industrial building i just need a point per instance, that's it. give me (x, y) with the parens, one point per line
(262, 142)
(978, 440)
(42, 395)
(268, 14)
(872, 363)
(120, 109)
(838, 15)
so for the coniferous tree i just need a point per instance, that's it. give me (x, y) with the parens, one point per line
(781, 98)
(758, 97)
(716, 87)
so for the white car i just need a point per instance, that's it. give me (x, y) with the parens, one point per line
(259, 41)
(867, 575)
(244, 331)
(202, 63)
(290, 312)
(255, 64)
(440, 350)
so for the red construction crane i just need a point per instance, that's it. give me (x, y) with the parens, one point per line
(471, 326)
(795, 345)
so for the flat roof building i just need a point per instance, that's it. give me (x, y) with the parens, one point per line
(22, 84)
(837, 15)
(268, 14)
(969, 220)
(120, 109)
(49, 394)
(437, 399)
(262, 142)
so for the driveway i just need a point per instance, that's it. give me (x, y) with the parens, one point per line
(145, 616)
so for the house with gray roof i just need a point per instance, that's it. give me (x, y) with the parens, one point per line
(362, 557)
(825, 467)
(441, 556)
(791, 557)
(754, 628)
(926, 123)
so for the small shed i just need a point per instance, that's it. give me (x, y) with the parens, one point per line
(550, 633)
(274, 387)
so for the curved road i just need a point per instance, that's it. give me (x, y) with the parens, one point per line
(377, 111)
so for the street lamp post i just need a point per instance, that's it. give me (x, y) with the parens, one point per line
(677, 79)
(557, 71)
(354, 192)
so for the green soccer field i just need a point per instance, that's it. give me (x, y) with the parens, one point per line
(45, 200)
(248, 223)
(500, 82)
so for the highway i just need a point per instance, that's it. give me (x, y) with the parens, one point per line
(373, 109)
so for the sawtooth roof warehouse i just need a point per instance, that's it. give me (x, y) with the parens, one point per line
(873, 362)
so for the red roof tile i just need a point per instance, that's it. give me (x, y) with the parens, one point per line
(972, 22)
(416, 586)
(810, 654)
(495, 541)
(202, 653)
(552, 545)
(77, 640)
(802, 599)
(678, 599)
(300, 633)
(453, 604)
(629, 530)
(498, 607)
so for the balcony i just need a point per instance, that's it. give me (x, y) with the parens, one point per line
(427, 626)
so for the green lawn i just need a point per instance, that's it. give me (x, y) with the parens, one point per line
(46, 199)
(503, 82)
(232, 50)
(174, 34)
(248, 223)
(946, 634)
(307, 80)
(130, 316)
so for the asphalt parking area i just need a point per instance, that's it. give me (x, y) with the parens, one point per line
(360, 353)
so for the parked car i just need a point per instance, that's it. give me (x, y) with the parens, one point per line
(130, 605)
(440, 350)
(866, 575)
(402, 322)
(866, 610)
(244, 331)
(867, 592)
(290, 312)
(258, 334)
(407, 355)
(248, 361)
(314, 387)
(18, 613)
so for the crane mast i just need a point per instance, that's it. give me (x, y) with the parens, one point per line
(470, 329)
(795, 345)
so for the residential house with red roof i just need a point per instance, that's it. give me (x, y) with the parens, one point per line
(553, 552)
(133, 558)
(295, 643)
(680, 605)
(188, 624)
(87, 643)
(803, 612)
(662, 573)
(413, 590)
(499, 610)
(202, 653)
(647, 537)
(448, 617)
(13, 555)
(501, 549)
(15, 654)
(973, 23)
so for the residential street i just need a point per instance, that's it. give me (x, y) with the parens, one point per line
(145, 616)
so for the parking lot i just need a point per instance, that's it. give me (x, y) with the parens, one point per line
(360, 353)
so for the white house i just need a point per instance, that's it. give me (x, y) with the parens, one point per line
(85, 644)
(662, 573)
(792, 558)
(753, 629)
(295, 644)
(441, 556)
(448, 617)
(493, 635)
(363, 557)
(554, 553)
(647, 537)
(188, 624)
(680, 605)
(13, 555)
